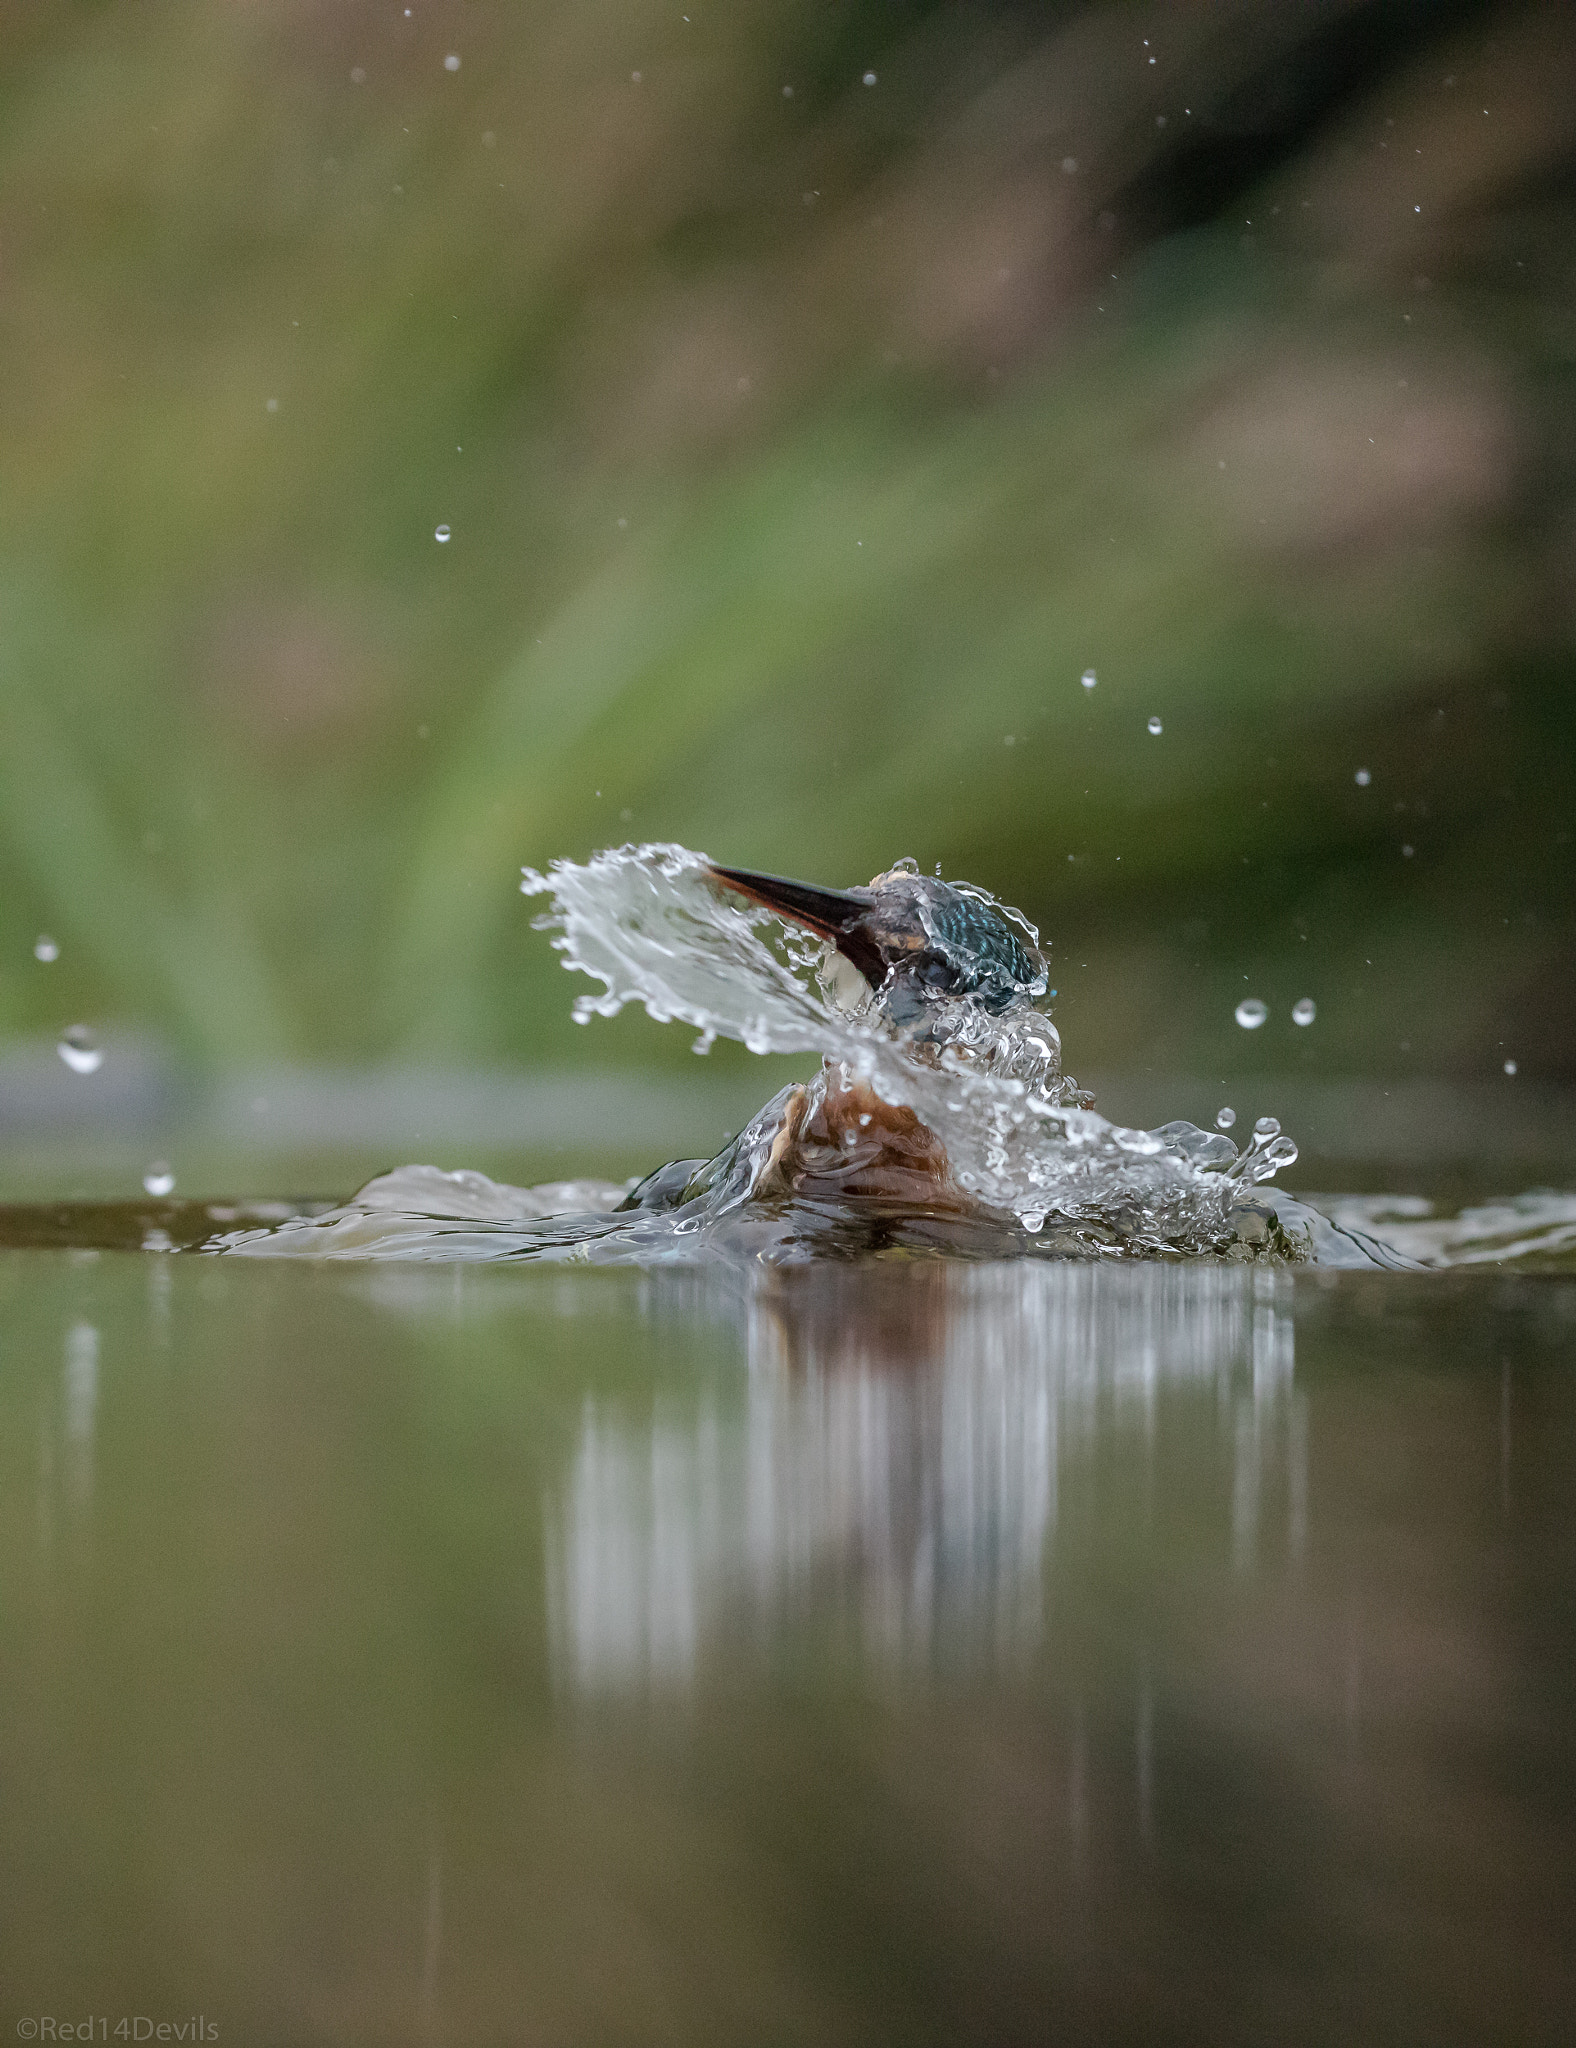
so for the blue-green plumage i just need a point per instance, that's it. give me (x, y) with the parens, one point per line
(980, 945)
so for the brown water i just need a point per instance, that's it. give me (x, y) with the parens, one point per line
(919, 1654)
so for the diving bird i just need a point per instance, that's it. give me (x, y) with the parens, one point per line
(835, 1143)
(910, 938)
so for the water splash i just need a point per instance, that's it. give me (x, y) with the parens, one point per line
(650, 925)
(80, 1050)
(1535, 1231)
(957, 1131)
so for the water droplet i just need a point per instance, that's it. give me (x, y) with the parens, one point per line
(1156, 727)
(272, 405)
(80, 1050)
(1251, 1013)
(1510, 1067)
(1304, 1010)
(1225, 1118)
(159, 1178)
(45, 948)
(1407, 852)
(1266, 1127)
(451, 62)
(440, 533)
(1089, 679)
(870, 78)
(1033, 1222)
(1362, 778)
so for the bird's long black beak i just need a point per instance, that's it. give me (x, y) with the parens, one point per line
(827, 912)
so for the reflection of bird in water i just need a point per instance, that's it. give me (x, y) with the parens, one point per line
(906, 944)
(911, 939)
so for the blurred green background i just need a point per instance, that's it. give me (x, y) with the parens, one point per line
(812, 393)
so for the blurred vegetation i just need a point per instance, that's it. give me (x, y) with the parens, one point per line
(813, 392)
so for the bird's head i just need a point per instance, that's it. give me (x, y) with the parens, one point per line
(912, 939)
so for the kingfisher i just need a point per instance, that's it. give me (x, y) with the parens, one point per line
(907, 943)
(909, 939)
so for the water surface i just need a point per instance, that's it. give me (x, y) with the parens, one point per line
(933, 1653)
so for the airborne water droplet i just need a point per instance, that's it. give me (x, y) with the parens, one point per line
(441, 533)
(1304, 1010)
(1156, 727)
(159, 1179)
(45, 948)
(1362, 778)
(1089, 679)
(1225, 1118)
(451, 62)
(1251, 1013)
(1510, 1067)
(80, 1050)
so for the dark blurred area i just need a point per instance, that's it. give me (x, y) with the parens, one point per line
(810, 395)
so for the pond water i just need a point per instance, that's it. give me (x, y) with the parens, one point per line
(949, 1568)
(923, 1653)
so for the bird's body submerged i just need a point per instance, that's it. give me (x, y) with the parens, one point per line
(831, 1146)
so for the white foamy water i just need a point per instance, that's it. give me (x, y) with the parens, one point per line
(1035, 1170)
(650, 924)
(1034, 1167)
